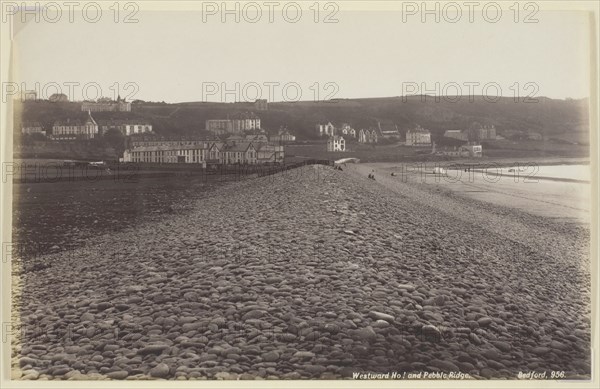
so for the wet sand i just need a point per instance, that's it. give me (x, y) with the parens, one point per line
(553, 199)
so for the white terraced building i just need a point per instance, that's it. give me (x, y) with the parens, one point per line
(245, 153)
(75, 129)
(167, 154)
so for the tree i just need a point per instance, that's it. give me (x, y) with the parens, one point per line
(38, 136)
(115, 139)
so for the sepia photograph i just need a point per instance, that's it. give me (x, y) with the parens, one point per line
(303, 191)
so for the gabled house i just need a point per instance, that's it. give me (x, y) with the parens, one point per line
(367, 136)
(336, 143)
(215, 155)
(240, 153)
(326, 129)
(75, 129)
(346, 129)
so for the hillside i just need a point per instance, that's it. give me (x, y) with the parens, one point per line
(560, 119)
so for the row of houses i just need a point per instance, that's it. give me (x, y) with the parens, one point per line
(414, 137)
(385, 130)
(364, 135)
(330, 130)
(208, 152)
(76, 129)
(417, 136)
(140, 132)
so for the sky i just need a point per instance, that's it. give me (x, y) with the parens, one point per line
(177, 56)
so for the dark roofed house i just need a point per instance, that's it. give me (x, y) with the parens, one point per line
(239, 153)
(258, 138)
(270, 153)
(388, 129)
(283, 136)
(233, 139)
(58, 98)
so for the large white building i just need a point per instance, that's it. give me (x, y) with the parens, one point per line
(227, 153)
(149, 140)
(246, 121)
(237, 124)
(418, 137)
(168, 154)
(75, 129)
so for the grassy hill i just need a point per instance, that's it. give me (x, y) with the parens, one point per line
(560, 119)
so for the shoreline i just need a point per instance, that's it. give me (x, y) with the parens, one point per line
(561, 198)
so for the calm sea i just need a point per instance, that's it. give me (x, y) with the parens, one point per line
(573, 172)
